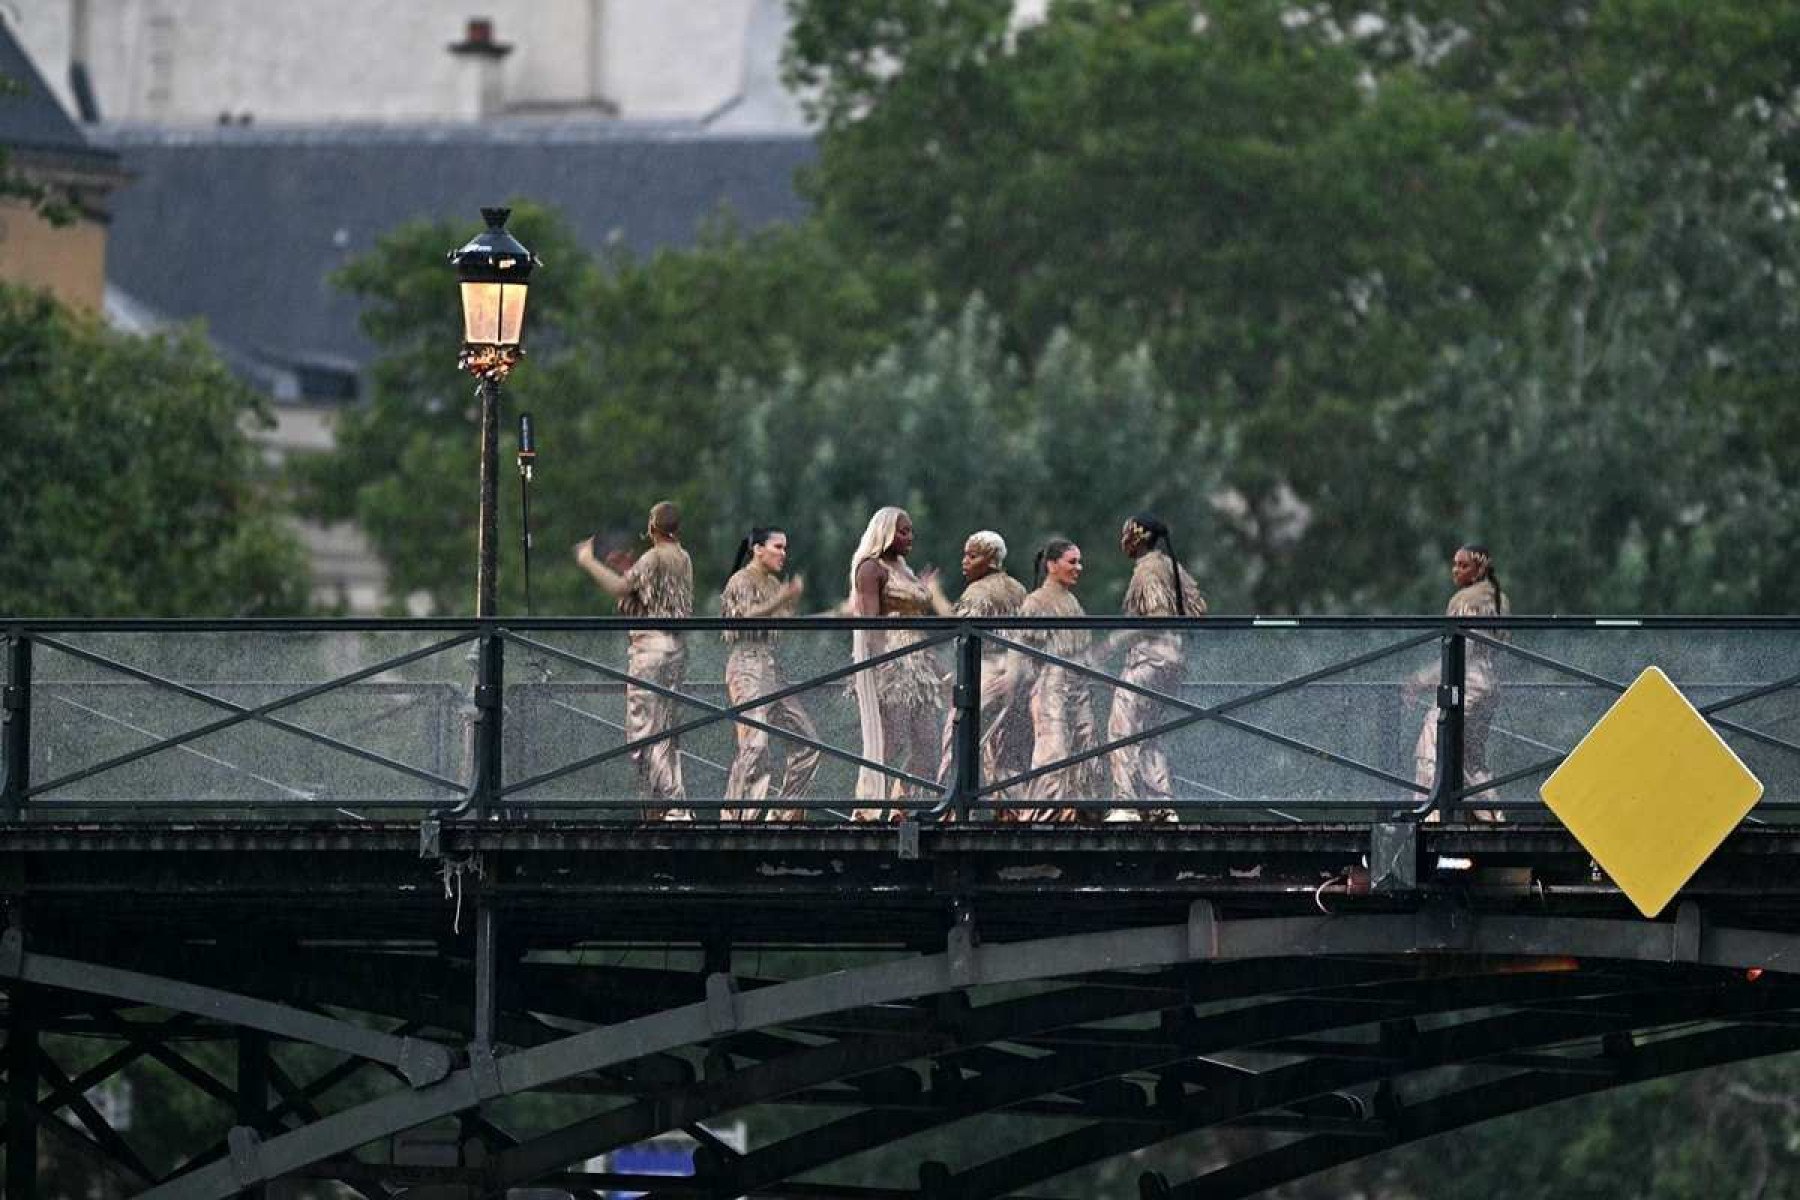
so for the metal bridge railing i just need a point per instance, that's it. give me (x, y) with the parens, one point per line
(1068, 722)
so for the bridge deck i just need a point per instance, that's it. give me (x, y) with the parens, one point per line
(429, 870)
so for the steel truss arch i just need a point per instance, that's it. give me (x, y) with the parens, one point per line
(726, 1012)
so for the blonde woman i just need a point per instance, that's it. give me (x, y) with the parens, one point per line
(901, 703)
(1005, 724)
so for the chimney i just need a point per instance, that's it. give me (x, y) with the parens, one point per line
(483, 94)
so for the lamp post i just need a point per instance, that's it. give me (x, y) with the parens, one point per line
(493, 269)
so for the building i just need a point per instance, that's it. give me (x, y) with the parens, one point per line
(48, 152)
(267, 145)
(196, 62)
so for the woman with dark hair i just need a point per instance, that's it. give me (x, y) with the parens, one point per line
(1160, 587)
(1062, 707)
(756, 591)
(659, 584)
(1477, 594)
(900, 703)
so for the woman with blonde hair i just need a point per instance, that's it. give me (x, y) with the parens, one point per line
(1005, 725)
(901, 703)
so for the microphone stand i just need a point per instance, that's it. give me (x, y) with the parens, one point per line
(527, 460)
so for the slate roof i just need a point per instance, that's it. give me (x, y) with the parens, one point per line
(217, 221)
(33, 126)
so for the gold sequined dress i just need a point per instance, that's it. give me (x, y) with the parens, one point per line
(902, 702)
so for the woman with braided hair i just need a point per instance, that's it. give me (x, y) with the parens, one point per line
(757, 591)
(1477, 594)
(1062, 705)
(1160, 587)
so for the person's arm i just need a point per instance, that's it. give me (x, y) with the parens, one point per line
(787, 593)
(866, 601)
(610, 581)
(934, 587)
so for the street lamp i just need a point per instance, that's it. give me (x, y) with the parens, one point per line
(493, 269)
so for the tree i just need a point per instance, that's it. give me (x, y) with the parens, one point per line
(1630, 439)
(132, 486)
(1292, 225)
(946, 423)
(625, 357)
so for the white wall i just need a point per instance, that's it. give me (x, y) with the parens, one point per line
(188, 61)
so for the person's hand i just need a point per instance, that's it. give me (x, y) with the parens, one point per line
(793, 587)
(584, 551)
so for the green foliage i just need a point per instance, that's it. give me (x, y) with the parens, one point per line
(624, 360)
(1292, 226)
(1631, 429)
(132, 487)
(949, 425)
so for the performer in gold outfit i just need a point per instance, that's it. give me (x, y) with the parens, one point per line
(1005, 723)
(1062, 706)
(1159, 587)
(901, 703)
(659, 584)
(1477, 594)
(755, 591)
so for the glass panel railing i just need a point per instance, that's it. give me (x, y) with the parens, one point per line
(1215, 720)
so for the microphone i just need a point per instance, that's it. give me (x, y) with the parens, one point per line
(527, 446)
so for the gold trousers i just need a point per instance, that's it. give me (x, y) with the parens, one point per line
(655, 657)
(752, 671)
(1005, 730)
(1140, 772)
(1479, 701)
(1062, 723)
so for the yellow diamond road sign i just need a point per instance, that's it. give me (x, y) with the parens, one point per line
(1651, 791)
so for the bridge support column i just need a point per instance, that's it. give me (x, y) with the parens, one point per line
(1449, 782)
(21, 1093)
(253, 1092)
(15, 727)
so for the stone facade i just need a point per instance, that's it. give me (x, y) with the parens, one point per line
(173, 62)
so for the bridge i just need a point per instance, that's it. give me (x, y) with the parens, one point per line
(384, 897)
